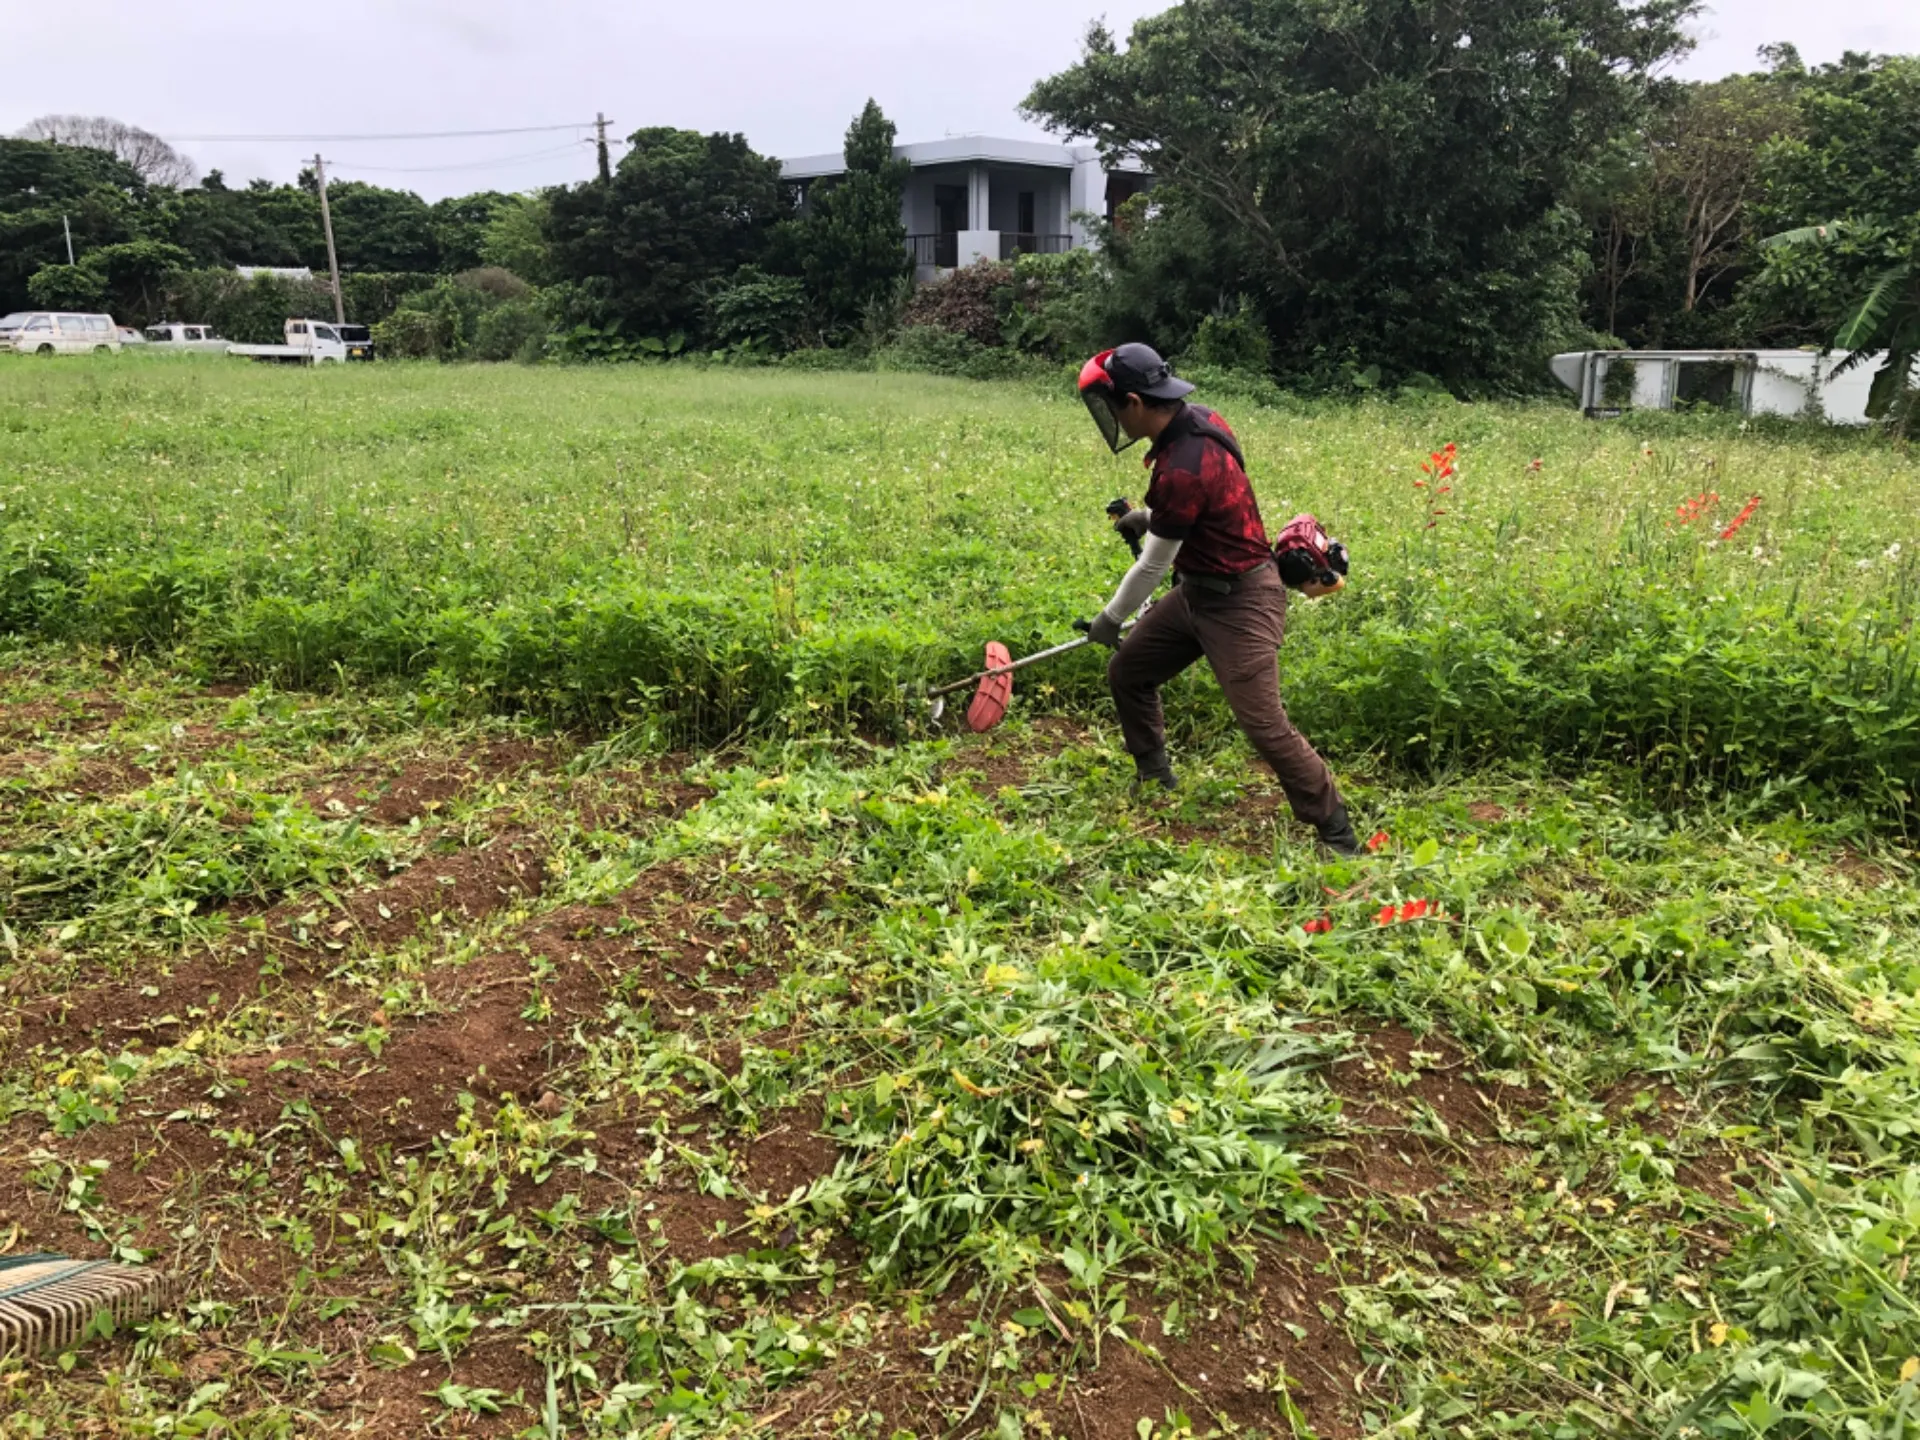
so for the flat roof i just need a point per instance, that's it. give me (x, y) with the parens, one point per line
(958, 150)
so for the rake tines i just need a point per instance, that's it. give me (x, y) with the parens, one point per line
(48, 1301)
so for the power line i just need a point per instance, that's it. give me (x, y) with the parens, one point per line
(572, 149)
(334, 139)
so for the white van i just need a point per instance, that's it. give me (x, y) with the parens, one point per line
(49, 332)
(187, 337)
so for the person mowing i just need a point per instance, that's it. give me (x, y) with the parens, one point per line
(1228, 603)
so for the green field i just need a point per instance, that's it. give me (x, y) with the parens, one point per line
(482, 915)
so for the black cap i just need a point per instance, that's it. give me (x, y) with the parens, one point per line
(1137, 369)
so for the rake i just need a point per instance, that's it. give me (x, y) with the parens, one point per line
(47, 1302)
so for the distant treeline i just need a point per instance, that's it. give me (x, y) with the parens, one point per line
(1365, 197)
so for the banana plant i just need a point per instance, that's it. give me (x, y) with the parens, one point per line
(1885, 318)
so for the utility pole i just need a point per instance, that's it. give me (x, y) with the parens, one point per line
(326, 221)
(600, 127)
(69, 229)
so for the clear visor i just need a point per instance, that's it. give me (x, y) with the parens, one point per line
(1100, 406)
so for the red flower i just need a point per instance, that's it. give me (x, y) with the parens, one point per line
(1320, 926)
(1410, 910)
(1379, 842)
(1536, 464)
(1741, 519)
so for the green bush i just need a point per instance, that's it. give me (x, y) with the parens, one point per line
(937, 351)
(407, 335)
(753, 308)
(515, 330)
(1232, 339)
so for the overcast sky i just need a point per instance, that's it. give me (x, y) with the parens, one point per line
(789, 73)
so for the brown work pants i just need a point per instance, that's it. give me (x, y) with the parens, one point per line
(1240, 635)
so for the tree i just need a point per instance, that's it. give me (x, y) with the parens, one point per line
(1397, 172)
(375, 228)
(128, 280)
(682, 211)
(850, 246)
(1669, 210)
(1707, 156)
(67, 287)
(516, 239)
(460, 227)
(1843, 197)
(49, 191)
(146, 154)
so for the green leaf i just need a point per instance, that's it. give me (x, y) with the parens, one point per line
(1427, 853)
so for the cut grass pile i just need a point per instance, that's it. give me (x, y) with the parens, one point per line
(713, 553)
(477, 1082)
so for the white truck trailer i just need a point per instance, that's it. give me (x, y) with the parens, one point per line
(1797, 383)
(312, 342)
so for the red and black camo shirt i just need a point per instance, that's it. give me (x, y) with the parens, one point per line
(1200, 496)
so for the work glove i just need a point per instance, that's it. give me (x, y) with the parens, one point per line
(1133, 524)
(1101, 629)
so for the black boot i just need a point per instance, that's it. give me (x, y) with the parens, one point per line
(1153, 768)
(1336, 833)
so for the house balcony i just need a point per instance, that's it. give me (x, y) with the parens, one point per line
(954, 248)
(935, 252)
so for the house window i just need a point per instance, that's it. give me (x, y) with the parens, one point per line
(1027, 225)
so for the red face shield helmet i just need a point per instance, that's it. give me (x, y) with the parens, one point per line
(1100, 398)
(1109, 378)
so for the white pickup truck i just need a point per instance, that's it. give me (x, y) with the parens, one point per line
(313, 342)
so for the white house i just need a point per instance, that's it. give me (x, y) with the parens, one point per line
(976, 198)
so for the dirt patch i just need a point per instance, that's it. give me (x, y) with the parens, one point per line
(76, 714)
(1226, 1366)
(1000, 769)
(489, 1050)
(619, 798)
(691, 1226)
(1248, 820)
(377, 1403)
(1653, 1105)
(790, 1155)
(455, 890)
(670, 942)
(389, 794)
(1391, 1068)
(1867, 874)
(1421, 1132)
(887, 1386)
(303, 935)
(1485, 812)
(15, 764)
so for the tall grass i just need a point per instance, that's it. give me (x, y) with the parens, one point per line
(712, 552)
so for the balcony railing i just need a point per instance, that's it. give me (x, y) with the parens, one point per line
(942, 251)
(1014, 242)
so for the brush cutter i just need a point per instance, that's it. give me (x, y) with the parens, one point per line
(989, 704)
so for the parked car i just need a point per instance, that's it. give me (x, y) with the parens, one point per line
(171, 335)
(51, 332)
(130, 336)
